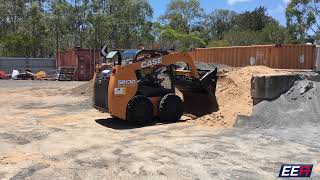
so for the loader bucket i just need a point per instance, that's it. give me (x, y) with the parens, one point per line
(199, 94)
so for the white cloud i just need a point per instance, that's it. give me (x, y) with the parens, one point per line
(233, 2)
(286, 1)
(281, 7)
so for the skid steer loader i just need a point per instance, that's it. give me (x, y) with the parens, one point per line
(139, 85)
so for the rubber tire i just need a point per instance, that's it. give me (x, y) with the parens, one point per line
(170, 108)
(139, 110)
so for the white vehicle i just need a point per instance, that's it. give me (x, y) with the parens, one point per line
(15, 74)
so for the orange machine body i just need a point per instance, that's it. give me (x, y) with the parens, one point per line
(123, 82)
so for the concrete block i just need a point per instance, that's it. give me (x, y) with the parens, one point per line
(270, 87)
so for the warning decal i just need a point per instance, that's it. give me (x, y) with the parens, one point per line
(120, 91)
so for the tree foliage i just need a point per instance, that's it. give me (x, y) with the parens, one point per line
(253, 21)
(183, 15)
(219, 22)
(41, 28)
(247, 28)
(302, 18)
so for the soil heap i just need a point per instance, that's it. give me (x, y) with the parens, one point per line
(233, 96)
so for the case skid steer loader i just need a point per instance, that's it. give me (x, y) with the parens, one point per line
(138, 85)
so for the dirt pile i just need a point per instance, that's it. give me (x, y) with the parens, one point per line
(233, 96)
(82, 90)
(298, 107)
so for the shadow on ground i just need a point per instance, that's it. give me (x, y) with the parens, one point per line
(119, 124)
(199, 104)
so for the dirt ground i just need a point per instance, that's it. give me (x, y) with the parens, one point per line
(46, 133)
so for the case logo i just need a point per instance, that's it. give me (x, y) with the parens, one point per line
(151, 62)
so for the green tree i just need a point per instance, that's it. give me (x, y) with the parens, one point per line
(219, 22)
(183, 15)
(59, 21)
(181, 28)
(35, 28)
(120, 23)
(16, 44)
(303, 16)
(272, 33)
(173, 39)
(40, 28)
(218, 43)
(254, 20)
(241, 38)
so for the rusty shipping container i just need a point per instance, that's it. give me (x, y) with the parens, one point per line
(84, 60)
(287, 56)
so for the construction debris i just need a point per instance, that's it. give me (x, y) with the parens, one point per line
(41, 75)
(66, 73)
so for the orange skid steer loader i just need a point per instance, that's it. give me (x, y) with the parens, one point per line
(139, 85)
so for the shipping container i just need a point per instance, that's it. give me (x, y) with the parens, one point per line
(286, 56)
(84, 60)
(318, 58)
(35, 65)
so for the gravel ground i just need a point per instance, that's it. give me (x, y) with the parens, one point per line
(46, 133)
(298, 107)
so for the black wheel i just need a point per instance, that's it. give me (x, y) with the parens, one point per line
(139, 110)
(170, 108)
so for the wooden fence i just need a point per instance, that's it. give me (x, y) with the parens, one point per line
(288, 56)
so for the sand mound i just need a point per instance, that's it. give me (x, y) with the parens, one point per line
(233, 96)
(298, 107)
(82, 90)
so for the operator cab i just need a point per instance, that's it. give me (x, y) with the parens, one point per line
(152, 81)
(129, 56)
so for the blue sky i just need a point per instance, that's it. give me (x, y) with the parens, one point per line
(276, 8)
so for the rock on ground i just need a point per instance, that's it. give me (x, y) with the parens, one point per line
(298, 107)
